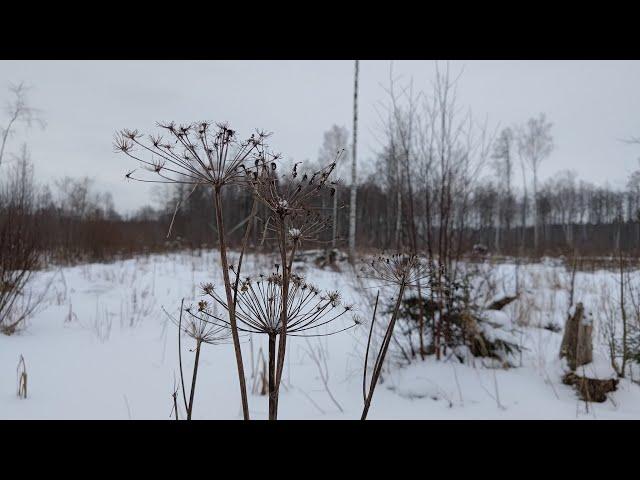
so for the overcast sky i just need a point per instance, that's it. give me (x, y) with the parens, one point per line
(592, 104)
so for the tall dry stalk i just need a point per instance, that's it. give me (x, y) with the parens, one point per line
(199, 155)
(401, 271)
(291, 200)
(202, 332)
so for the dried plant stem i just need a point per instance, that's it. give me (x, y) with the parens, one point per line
(319, 357)
(623, 311)
(422, 315)
(438, 324)
(22, 378)
(184, 393)
(230, 302)
(286, 276)
(175, 403)
(366, 355)
(377, 368)
(245, 240)
(193, 380)
(273, 395)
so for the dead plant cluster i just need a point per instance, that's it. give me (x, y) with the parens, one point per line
(279, 304)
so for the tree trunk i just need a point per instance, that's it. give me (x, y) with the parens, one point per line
(398, 214)
(352, 202)
(335, 218)
(498, 225)
(577, 344)
(536, 222)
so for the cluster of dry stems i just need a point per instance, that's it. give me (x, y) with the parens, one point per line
(280, 304)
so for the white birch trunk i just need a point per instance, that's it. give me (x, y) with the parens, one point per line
(352, 202)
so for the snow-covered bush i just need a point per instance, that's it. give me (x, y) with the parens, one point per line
(467, 328)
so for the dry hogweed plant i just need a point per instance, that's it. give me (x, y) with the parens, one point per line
(260, 310)
(202, 154)
(292, 201)
(201, 331)
(401, 271)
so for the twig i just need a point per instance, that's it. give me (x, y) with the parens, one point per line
(366, 355)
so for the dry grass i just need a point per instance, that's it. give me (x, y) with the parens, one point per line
(21, 371)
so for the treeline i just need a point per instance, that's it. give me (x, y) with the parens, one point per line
(71, 221)
(68, 222)
(573, 214)
(74, 223)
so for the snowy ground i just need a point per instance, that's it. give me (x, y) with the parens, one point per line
(102, 348)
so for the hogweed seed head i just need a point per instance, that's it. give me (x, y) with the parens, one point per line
(199, 328)
(398, 269)
(259, 306)
(194, 154)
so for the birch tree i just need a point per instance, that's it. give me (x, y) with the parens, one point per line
(503, 165)
(401, 123)
(535, 143)
(335, 142)
(18, 111)
(354, 185)
(452, 149)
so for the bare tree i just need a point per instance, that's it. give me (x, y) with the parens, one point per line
(19, 254)
(503, 165)
(334, 143)
(453, 150)
(19, 237)
(399, 123)
(563, 196)
(18, 111)
(633, 185)
(535, 143)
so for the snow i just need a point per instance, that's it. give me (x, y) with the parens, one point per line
(102, 348)
(294, 232)
(496, 318)
(600, 368)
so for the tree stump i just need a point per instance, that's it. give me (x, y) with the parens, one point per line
(577, 344)
(591, 389)
(577, 348)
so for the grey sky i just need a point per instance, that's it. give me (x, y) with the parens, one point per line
(593, 104)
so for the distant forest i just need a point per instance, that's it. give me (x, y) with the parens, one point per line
(73, 222)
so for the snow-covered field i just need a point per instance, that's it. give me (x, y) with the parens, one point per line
(101, 347)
